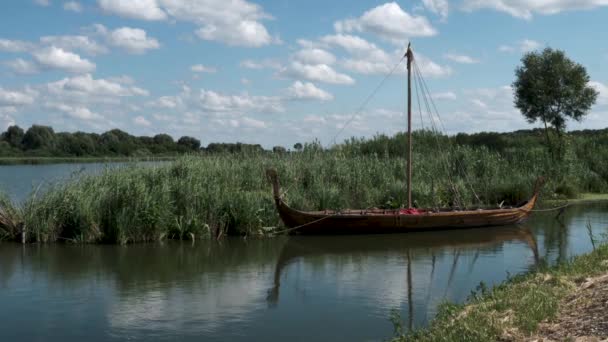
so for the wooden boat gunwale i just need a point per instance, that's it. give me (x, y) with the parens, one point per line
(393, 220)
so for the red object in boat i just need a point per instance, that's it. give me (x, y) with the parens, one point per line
(410, 211)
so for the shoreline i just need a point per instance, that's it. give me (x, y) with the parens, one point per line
(7, 161)
(563, 302)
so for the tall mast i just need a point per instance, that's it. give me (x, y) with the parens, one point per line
(410, 57)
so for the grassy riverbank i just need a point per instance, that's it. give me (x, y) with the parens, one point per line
(540, 304)
(227, 193)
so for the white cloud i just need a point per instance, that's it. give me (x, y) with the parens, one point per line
(526, 9)
(525, 45)
(7, 45)
(235, 22)
(135, 9)
(72, 6)
(212, 101)
(365, 57)
(428, 68)
(439, 7)
(314, 56)
(602, 89)
(76, 112)
(448, 95)
(463, 59)
(253, 123)
(389, 22)
(318, 72)
(133, 40)
(202, 68)
(74, 43)
(6, 118)
(23, 67)
(307, 91)
(264, 64)
(16, 98)
(57, 58)
(246, 33)
(141, 121)
(43, 3)
(245, 81)
(86, 87)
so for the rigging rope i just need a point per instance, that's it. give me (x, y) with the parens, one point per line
(369, 97)
(436, 112)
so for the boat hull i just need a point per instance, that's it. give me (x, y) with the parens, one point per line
(366, 222)
(395, 221)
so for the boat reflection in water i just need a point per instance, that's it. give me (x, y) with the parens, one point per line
(424, 247)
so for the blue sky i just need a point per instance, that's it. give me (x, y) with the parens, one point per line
(280, 72)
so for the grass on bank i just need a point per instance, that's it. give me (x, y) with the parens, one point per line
(514, 309)
(207, 196)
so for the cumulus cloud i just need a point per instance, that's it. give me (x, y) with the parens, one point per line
(133, 40)
(525, 45)
(527, 9)
(314, 56)
(57, 58)
(7, 45)
(439, 7)
(72, 6)
(602, 89)
(135, 9)
(307, 91)
(237, 22)
(252, 123)
(86, 89)
(448, 95)
(75, 112)
(202, 68)
(258, 65)
(317, 72)
(15, 97)
(389, 22)
(212, 101)
(458, 58)
(22, 67)
(141, 121)
(74, 43)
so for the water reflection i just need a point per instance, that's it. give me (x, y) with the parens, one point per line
(409, 249)
(296, 288)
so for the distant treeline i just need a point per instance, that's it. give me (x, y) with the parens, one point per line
(43, 141)
(588, 140)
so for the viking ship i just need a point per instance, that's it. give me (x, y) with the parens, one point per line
(365, 221)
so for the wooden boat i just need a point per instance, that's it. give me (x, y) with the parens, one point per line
(400, 220)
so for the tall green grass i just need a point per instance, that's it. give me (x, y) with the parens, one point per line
(196, 197)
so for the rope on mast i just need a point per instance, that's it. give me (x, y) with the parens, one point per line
(369, 97)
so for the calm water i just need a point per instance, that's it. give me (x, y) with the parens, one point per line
(297, 288)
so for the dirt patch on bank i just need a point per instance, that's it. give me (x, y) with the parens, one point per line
(583, 315)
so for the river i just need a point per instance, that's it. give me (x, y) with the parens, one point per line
(289, 288)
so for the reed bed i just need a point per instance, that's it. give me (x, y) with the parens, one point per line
(207, 196)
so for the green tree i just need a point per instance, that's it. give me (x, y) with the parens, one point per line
(39, 137)
(189, 143)
(550, 87)
(13, 136)
(298, 146)
(279, 150)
